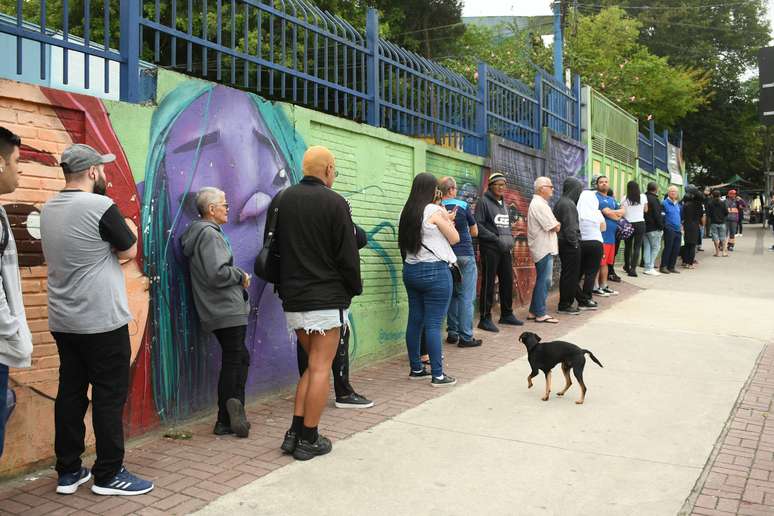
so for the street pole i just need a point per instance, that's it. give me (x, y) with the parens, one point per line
(558, 43)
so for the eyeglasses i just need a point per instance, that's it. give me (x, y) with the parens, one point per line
(224, 204)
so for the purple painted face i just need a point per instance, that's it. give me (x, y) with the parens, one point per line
(237, 154)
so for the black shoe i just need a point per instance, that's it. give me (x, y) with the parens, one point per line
(615, 278)
(487, 325)
(472, 343)
(663, 270)
(510, 320)
(631, 274)
(236, 414)
(289, 442)
(700, 249)
(222, 429)
(452, 339)
(569, 311)
(446, 381)
(306, 450)
(673, 271)
(354, 400)
(588, 305)
(420, 375)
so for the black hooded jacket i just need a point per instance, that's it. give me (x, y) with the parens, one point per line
(566, 212)
(654, 218)
(494, 224)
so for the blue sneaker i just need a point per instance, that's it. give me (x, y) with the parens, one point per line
(123, 484)
(69, 482)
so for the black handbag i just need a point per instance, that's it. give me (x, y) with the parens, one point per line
(455, 270)
(267, 263)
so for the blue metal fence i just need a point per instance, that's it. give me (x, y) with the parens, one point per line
(291, 50)
(653, 149)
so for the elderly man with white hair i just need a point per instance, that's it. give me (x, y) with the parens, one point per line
(542, 229)
(220, 297)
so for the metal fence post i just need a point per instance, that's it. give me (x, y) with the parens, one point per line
(372, 64)
(129, 90)
(652, 135)
(539, 110)
(482, 106)
(576, 90)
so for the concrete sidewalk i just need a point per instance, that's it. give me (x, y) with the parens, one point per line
(676, 357)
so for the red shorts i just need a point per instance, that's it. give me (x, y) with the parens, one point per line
(608, 254)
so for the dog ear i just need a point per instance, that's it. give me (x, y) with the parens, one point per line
(537, 337)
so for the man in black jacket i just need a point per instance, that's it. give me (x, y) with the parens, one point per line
(318, 277)
(566, 212)
(654, 226)
(495, 244)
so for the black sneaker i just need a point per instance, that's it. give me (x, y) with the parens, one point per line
(569, 311)
(609, 291)
(445, 381)
(222, 429)
(420, 375)
(673, 271)
(487, 325)
(472, 343)
(510, 320)
(663, 270)
(588, 305)
(236, 414)
(355, 401)
(306, 450)
(289, 442)
(631, 274)
(600, 292)
(615, 278)
(452, 339)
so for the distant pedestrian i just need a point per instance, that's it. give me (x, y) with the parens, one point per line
(220, 297)
(15, 336)
(542, 228)
(85, 238)
(717, 213)
(654, 227)
(569, 237)
(425, 234)
(459, 321)
(495, 242)
(612, 212)
(732, 220)
(635, 205)
(672, 231)
(319, 274)
(592, 224)
(693, 219)
(346, 396)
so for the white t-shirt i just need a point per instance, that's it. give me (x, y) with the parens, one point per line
(434, 239)
(589, 216)
(634, 212)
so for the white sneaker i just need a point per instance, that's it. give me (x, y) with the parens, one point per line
(651, 272)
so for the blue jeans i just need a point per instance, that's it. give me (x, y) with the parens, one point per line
(545, 268)
(651, 244)
(429, 289)
(3, 403)
(672, 241)
(459, 321)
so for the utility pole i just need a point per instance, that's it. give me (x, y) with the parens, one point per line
(558, 43)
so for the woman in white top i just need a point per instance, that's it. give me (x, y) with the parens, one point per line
(425, 235)
(592, 224)
(635, 204)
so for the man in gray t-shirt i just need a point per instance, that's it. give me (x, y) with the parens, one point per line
(84, 236)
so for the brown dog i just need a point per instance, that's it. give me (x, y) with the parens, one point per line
(543, 356)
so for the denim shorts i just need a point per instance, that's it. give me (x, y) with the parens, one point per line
(318, 321)
(718, 232)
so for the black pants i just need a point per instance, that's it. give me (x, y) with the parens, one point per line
(591, 259)
(102, 360)
(634, 247)
(570, 275)
(688, 254)
(671, 248)
(494, 263)
(234, 366)
(340, 366)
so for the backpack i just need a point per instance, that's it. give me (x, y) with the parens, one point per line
(625, 229)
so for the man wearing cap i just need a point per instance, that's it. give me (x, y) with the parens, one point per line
(84, 238)
(495, 243)
(732, 219)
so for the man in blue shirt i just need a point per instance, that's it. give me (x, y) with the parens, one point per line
(459, 320)
(612, 213)
(673, 233)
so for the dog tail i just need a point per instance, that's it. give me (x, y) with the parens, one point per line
(593, 357)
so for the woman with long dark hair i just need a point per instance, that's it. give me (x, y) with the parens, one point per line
(635, 204)
(425, 234)
(693, 215)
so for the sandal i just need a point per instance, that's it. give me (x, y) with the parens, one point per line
(531, 317)
(548, 319)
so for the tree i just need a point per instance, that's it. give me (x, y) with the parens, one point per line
(721, 39)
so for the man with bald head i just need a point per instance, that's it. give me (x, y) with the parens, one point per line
(319, 276)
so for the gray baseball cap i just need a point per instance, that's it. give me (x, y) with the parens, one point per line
(79, 157)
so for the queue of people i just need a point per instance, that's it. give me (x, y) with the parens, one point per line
(312, 244)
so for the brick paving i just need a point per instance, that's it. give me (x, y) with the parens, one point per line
(191, 473)
(739, 476)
